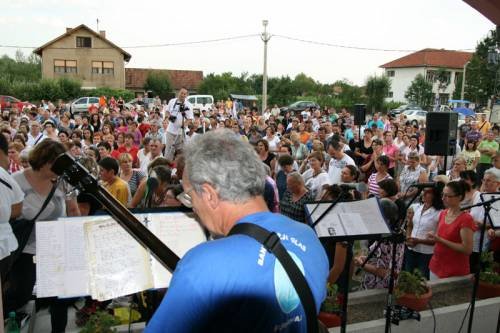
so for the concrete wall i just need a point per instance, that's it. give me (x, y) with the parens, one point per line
(448, 320)
(100, 51)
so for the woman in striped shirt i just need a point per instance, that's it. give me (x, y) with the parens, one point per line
(382, 166)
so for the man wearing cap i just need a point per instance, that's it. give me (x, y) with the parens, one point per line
(35, 135)
(181, 113)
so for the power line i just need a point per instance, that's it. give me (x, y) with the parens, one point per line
(352, 47)
(360, 48)
(143, 46)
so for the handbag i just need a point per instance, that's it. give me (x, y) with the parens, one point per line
(272, 243)
(22, 228)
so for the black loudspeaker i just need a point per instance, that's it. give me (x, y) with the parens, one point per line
(359, 114)
(441, 133)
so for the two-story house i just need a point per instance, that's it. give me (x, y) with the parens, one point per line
(427, 62)
(84, 54)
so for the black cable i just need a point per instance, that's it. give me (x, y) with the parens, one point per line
(465, 316)
(433, 316)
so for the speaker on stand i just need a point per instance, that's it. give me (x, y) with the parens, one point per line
(441, 134)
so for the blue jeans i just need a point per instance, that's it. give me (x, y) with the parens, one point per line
(417, 260)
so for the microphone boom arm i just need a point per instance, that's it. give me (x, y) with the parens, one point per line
(76, 175)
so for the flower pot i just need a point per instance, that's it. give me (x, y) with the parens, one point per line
(329, 319)
(417, 303)
(488, 290)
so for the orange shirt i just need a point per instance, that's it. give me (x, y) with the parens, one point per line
(304, 137)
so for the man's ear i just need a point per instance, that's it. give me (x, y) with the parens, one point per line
(210, 195)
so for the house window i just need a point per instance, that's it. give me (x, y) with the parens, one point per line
(103, 67)
(391, 73)
(430, 76)
(390, 94)
(458, 76)
(65, 66)
(83, 42)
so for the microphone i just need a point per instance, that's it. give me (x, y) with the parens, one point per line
(360, 187)
(152, 184)
(425, 185)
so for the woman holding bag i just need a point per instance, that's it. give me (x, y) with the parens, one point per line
(37, 183)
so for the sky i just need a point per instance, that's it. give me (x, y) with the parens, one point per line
(383, 24)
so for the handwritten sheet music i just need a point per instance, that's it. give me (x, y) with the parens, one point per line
(49, 258)
(180, 232)
(95, 256)
(118, 265)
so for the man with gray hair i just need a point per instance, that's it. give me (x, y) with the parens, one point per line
(232, 284)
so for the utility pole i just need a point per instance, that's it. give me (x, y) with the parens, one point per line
(265, 38)
(462, 93)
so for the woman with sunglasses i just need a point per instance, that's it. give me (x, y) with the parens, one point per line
(453, 239)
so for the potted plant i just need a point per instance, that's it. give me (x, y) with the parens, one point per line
(100, 322)
(412, 290)
(329, 313)
(489, 278)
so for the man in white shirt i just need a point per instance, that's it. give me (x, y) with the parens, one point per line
(35, 135)
(179, 110)
(338, 162)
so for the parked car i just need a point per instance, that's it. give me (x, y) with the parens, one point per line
(298, 107)
(148, 103)
(402, 108)
(201, 102)
(7, 102)
(415, 116)
(82, 104)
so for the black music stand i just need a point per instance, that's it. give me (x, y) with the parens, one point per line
(337, 221)
(488, 200)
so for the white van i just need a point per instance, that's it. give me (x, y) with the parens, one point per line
(201, 102)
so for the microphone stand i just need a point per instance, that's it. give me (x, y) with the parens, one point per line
(487, 207)
(403, 227)
(75, 174)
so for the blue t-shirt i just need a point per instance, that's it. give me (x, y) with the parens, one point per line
(379, 123)
(234, 285)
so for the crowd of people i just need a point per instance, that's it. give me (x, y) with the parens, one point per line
(307, 157)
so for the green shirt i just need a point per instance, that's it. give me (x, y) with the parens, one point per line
(487, 145)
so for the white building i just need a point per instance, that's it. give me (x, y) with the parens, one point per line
(427, 62)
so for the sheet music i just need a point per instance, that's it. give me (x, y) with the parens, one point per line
(180, 232)
(495, 208)
(362, 217)
(118, 264)
(49, 258)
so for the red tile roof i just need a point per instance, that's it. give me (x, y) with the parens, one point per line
(136, 77)
(431, 58)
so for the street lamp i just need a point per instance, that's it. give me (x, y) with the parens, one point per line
(462, 93)
(265, 38)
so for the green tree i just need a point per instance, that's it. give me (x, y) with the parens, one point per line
(21, 68)
(377, 88)
(480, 79)
(159, 84)
(420, 92)
(304, 85)
(221, 85)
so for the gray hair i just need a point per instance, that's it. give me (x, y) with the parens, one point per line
(494, 172)
(296, 177)
(226, 162)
